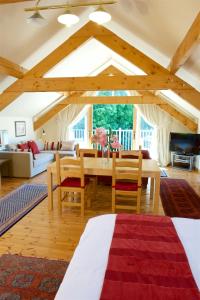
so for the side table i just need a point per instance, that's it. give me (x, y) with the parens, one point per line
(183, 159)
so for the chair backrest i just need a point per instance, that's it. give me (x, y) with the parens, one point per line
(129, 153)
(87, 152)
(69, 167)
(128, 169)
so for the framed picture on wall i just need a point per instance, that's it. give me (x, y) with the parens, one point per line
(20, 128)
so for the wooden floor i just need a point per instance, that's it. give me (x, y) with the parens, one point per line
(51, 235)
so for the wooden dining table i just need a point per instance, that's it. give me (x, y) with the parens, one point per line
(103, 166)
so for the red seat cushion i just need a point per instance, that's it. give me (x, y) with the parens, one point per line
(73, 182)
(90, 176)
(126, 186)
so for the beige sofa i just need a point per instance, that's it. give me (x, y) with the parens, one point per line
(25, 164)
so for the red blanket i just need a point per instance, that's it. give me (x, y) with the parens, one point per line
(147, 262)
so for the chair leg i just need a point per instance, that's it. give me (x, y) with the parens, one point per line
(138, 201)
(113, 201)
(59, 195)
(88, 197)
(82, 203)
(95, 187)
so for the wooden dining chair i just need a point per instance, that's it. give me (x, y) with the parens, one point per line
(70, 178)
(126, 182)
(84, 152)
(128, 153)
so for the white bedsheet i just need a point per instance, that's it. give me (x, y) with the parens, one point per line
(85, 274)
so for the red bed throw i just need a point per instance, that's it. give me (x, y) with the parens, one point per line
(147, 262)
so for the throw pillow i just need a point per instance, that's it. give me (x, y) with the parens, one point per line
(68, 146)
(11, 147)
(52, 146)
(40, 144)
(46, 145)
(23, 146)
(33, 146)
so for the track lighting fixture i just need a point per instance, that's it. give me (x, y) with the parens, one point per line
(100, 15)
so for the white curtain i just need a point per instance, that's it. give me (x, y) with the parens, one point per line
(66, 117)
(162, 122)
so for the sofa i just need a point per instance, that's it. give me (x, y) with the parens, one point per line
(25, 163)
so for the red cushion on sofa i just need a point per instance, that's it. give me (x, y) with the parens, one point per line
(23, 146)
(73, 182)
(126, 186)
(33, 146)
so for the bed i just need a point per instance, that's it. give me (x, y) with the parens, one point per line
(84, 278)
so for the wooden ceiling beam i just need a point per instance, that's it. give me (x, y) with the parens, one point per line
(175, 113)
(187, 122)
(113, 70)
(70, 45)
(10, 68)
(186, 47)
(12, 1)
(136, 82)
(150, 99)
(115, 43)
(53, 111)
(62, 104)
(139, 59)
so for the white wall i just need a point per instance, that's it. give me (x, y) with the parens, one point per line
(8, 123)
(51, 130)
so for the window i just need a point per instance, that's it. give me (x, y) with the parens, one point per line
(113, 116)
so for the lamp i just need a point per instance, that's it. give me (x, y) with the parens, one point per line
(68, 18)
(100, 16)
(36, 18)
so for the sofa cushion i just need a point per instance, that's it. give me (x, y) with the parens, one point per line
(42, 158)
(33, 146)
(11, 147)
(68, 146)
(40, 144)
(23, 146)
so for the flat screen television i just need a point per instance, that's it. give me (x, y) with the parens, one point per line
(185, 143)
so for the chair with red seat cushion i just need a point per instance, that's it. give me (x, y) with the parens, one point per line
(70, 178)
(126, 182)
(145, 155)
(73, 182)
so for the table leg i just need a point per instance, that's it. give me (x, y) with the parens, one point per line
(156, 193)
(50, 188)
(152, 188)
(0, 178)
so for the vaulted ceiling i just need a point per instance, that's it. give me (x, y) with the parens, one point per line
(154, 27)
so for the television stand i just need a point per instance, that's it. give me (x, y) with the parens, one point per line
(187, 160)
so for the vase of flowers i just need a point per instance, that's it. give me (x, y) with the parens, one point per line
(107, 141)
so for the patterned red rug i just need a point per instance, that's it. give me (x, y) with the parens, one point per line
(179, 199)
(30, 278)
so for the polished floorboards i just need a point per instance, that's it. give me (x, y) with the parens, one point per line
(54, 235)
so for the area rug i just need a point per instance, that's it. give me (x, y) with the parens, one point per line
(179, 199)
(18, 203)
(30, 278)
